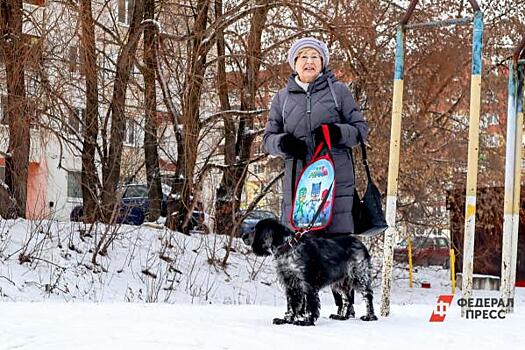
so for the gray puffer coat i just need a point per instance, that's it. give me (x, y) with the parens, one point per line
(296, 121)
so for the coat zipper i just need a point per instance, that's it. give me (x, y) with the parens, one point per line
(309, 113)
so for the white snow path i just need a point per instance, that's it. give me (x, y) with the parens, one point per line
(92, 326)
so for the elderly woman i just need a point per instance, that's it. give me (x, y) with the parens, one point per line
(314, 97)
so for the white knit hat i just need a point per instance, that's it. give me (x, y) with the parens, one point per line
(308, 42)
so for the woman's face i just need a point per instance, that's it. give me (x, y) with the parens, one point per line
(308, 65)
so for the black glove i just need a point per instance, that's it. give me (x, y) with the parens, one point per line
(334, 131)
(294, 147)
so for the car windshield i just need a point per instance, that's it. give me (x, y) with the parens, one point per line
(136, 191)
(441, 242)
(260, 214)
(417, 242)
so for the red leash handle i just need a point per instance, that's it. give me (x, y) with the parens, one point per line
(326, 134)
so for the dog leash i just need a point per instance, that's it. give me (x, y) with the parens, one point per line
(325, 143)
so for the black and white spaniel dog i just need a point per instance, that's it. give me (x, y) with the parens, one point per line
(306, 265)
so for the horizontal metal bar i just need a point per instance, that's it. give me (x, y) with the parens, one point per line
(445, 23)
(520, 62)
(412, 7)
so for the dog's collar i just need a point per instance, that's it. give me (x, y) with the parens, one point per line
(296, 238)
(291, 242)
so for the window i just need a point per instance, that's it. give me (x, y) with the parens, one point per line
(74, 179)
(76, 59)
(75, 119)
(258, 168)
(129, 133)
(125, 11)
(441, 242)
(492, 120)
(258, 148)
(3, 110)
(492, 141)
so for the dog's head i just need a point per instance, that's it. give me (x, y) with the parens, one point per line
(268, 235)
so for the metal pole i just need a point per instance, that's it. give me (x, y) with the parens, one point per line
(453, 271)
(472, 164)
(512, 184)
(517, 180)
(409, 261)
(444, 23)
(393, 172)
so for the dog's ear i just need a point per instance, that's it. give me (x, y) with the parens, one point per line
(263, 238)
(270, 234)
(280, 233)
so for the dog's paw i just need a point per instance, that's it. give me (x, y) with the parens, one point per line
(338, 317)
(369, 318)
(278, 320)
(304, 322)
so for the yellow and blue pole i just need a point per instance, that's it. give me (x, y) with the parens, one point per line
(393, 172)
(511, 218)
(410, 276)
(453, 271)
(472, 163)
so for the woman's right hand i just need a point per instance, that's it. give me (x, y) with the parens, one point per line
(293, 146)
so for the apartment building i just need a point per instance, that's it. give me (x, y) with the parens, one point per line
(55, 88)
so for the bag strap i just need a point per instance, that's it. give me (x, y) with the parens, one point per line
(334, 96)
(363, 155)
(294, 177)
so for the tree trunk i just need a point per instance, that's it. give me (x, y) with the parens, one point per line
(230, 190)
(224, 195)
(112, 161)
(150, 127)
(11, 42)
(89, 177)
(181, 191)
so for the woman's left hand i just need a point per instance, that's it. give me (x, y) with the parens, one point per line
(334, 131)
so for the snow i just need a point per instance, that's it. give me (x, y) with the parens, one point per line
(182, 326)
(60, 300)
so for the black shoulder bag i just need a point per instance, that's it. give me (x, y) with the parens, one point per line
(369, 219)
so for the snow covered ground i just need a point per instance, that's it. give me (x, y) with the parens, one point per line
(160, 290)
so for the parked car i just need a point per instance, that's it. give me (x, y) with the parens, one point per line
(248, 224)
(134, 206)
(425, 251)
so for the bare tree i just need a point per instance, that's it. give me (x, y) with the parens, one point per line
(89, 179)
(150, 123)
(15, 50)
(238, 147)
(113, 154)
(179, 201)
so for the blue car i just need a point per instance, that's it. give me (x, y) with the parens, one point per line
(248, 224)
(133, 205)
